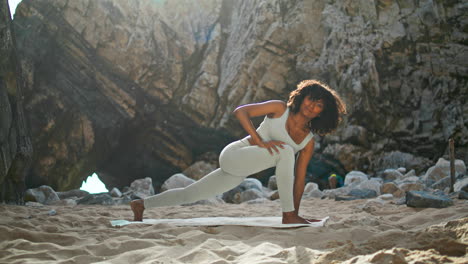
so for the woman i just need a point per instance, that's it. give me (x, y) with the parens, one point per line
(286, 130)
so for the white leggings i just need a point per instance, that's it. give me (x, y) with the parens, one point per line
(237, 161)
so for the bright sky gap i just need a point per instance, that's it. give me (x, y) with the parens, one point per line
(93, 184)
(13, 4)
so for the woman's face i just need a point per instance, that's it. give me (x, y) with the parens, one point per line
(311, 108)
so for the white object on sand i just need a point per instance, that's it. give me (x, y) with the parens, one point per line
(274, 222)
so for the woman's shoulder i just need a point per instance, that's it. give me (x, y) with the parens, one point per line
(278, 108)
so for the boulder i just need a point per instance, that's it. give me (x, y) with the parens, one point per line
(410, 173)
(461, 185)
(178, 180)
(332, 193)
(442, 170)
(97, 198)
(411, 186)
(272, 183)
(356, 194)
(372, 184)
(442, 184)
(311, 190)
(311, 186)
(251, 183)
(363, 193)
(391, 175)
(392, 188)
(77, 193)
(115, 192)
(142, 187)
(235, 195)
(198, 170)
(43, 194)
(123, 200)
(421, 199)
(251, 194)
(355, 177)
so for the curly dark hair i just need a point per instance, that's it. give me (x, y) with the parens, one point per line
(334, 106)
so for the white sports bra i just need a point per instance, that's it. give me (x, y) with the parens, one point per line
(275, 129)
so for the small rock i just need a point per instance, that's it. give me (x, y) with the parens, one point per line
(115, 192)
(421, 199)
(258, 201)
(385, 197)
(72, 193)
(274, 196)
(313, 194)
(372, 204)
(461, 185)
(402, 170)
(463, 195)
(401, 201)
(143, 187)
(44, 195)
(65, 202)
(99, 198)
(345, 198)
(52, 212)
(272, 183)
(34, 204)
(355, 177)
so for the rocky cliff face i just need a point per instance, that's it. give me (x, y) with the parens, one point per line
(140, 88)
(15, 144)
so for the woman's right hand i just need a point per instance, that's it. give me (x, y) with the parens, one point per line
(271, 145)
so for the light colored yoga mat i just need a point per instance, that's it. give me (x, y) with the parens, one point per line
(274, 222)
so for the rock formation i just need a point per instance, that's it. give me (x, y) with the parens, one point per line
(15, 143)
(134, 89)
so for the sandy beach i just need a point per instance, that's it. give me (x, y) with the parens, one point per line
(355, 233)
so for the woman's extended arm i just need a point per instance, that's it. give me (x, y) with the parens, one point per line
(272, 109)
(301, 168)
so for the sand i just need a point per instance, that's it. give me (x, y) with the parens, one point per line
(373, 234)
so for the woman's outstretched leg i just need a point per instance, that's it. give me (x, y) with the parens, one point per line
(216, 182)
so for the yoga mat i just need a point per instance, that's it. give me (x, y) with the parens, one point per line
(274, 222)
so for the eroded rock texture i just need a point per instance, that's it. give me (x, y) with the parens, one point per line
(15, 144)
(131, 89)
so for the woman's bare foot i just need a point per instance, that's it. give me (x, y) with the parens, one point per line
(293, 218)
(138, 208)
